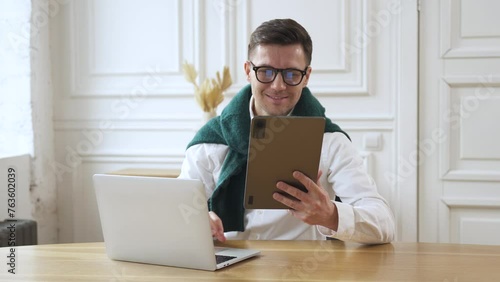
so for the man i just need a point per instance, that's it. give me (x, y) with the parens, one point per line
(278, 70)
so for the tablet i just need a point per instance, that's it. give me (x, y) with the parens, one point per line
(278, 146)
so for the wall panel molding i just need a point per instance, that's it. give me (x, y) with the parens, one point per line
(168, 124)
(153, 111)
(192, 123)
(451, 202)
(471, 175)
(492, 80)
(355, 62)
(454, 45)
(137, 158)
(459, 91)
(456, 213)
(87, 81)
(451, 169)
(345, 25)
(349, 76)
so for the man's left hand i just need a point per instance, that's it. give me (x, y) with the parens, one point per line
(314, 207)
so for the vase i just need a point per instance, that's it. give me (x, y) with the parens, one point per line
(208, 115)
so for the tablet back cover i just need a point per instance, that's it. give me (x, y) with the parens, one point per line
(278, 146)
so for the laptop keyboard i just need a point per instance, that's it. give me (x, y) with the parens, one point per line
(221, 258)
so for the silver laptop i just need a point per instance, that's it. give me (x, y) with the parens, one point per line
(160, 221)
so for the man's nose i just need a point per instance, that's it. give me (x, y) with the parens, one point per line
(279, 83)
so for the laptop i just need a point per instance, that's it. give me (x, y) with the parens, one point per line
(278, 146)
(161, 221)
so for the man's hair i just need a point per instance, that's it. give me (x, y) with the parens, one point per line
(281, 32)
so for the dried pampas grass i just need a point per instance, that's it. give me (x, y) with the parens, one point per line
(210, 93)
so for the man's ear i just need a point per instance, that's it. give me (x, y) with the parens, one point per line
(248, 69)
(306, 77)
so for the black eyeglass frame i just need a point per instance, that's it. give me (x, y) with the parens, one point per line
(256, 68)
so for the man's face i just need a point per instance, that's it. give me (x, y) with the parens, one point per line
(276, 98)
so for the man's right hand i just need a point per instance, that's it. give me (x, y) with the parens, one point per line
(216, 226)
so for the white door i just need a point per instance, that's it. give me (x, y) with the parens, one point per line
(459, 177)
(121, 99)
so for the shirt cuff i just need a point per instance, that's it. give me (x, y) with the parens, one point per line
(346, 226)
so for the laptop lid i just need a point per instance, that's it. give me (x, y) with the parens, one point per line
(158, 220)
(278, 146)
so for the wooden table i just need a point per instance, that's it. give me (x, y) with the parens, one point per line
(279, 261)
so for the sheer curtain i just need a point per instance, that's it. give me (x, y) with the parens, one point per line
(26, 103)
(16, 129)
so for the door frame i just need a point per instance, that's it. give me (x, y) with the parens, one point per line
(406, 119)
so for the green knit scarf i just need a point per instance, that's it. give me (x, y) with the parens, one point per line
(232, 128)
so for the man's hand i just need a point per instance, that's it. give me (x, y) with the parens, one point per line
(314, 207)
(216, 226)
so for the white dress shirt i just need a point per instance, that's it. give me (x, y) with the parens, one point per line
(364, 215)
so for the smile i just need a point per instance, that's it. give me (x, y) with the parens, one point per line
(277, 98)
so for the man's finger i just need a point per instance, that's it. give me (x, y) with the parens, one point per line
(320, 172)
(292, 204)
(290, 190)
(216, 226)
(306, 181)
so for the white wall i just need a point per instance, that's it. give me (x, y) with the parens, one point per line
(121, 99)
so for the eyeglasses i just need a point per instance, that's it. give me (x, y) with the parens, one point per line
(290, 76)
